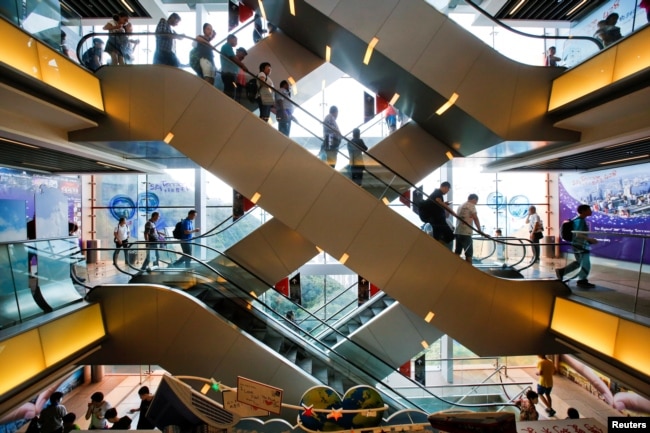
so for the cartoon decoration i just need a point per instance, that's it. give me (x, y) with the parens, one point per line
(324, 410)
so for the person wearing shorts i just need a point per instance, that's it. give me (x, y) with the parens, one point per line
(545, 371)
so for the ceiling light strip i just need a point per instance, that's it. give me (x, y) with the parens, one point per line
(117, 167)
(516, 8)
(447, 105)
(31, 146)
(292, 7)
(631, 158)
(371, 47)
(578, 6)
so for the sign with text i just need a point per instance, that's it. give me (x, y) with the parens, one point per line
(259, 395)
(232, 405)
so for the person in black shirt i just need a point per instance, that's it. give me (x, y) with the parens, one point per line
(145, 401)
(119, 423)
(441, 230)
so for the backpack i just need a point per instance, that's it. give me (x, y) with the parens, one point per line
(178, 230)
(251, 89)
(566, 230)
(425, 210)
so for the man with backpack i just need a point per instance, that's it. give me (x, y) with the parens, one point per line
(151, 237)
(437, 217)
(187, 234)
(581, 244)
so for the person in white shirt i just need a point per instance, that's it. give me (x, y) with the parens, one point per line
(121, 239)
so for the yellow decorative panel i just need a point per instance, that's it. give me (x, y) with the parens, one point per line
(19, 50)
(67, 335)
(585, 325)
(583, 79)
(632, 346)
(633, 55)
(20, 359)
(59, 72)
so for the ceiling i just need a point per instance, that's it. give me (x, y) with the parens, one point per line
(102, 8)
(547, 10)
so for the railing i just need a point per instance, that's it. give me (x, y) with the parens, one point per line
(216, 270)
(573, 47)
(620, 269)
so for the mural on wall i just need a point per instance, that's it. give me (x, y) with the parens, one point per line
(12, 220)
(45, 195)
(620, 201)
(611, 392)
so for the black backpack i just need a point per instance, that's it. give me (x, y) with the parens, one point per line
(425, 210)
(251, 89)
(566, 230)
(178, 230)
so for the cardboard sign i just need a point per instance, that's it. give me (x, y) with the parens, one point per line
(259, 395)
(232, 405)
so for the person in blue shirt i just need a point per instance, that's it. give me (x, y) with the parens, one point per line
(186, 239)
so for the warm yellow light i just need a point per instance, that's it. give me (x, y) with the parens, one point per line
(127, 6)
(516, 8)
(429, 317)
(169, 137)
(344, 258)
(385, 200)
(371, 46)
(328, 53)
(447, 104)
(578, 6)
(394, 99)
(294, 85)
(449, 155)
(105, 164)
(262, 11)
(292, 8)
(631, 158)
(30, 146)
(206, 387)
(256, 197)
(589, 326)
(425, 344)
(253, 294)
(319, 249)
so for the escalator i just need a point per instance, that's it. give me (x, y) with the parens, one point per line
(499, 99)
(310, 198)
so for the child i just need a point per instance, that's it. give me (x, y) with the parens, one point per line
(69, 422)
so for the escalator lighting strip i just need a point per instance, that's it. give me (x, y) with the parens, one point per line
(576, 7)
(328, 54)
(429, 317)
(631, 158)
(169, 137)
(394, 99)
(516, 8)
(205, 388)
(256, 197)
(444, 107)
(449, 155)
(292, 8)
(385, 200)
(371, 47)
(344, 258)
(425, 344)
(262, 10)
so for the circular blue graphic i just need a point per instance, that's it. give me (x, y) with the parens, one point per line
(518, 206)
(148, 201)
(122, 206)
(496, 200)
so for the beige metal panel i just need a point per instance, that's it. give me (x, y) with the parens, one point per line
(207, 124)
(411, 151)
(282, 191)
(394, 336)
(483, 93)
(363, 17)
(440, 66)
(279, 251)
(401, 39)
(146, 101)
(428, 265)
(287, 58)
(381, 245)
(247, 158)
(340, 212)
(150, 324)
(325, 6)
